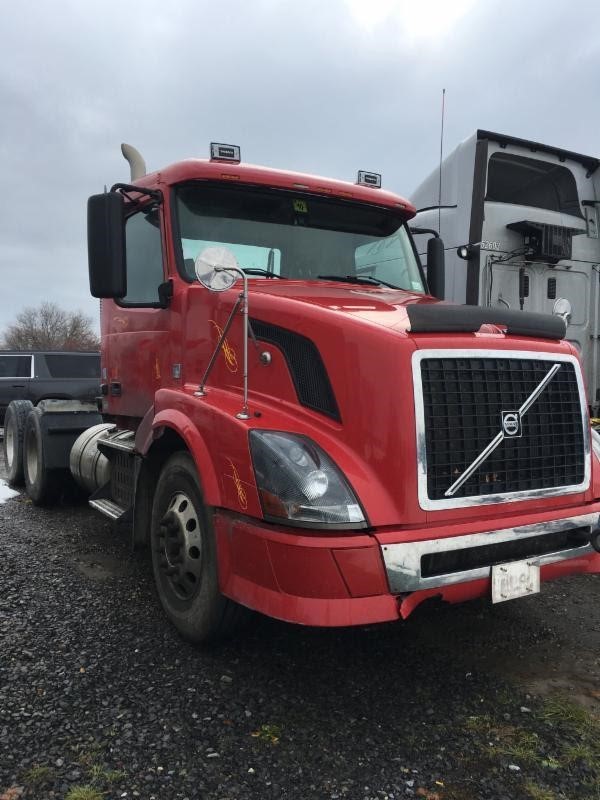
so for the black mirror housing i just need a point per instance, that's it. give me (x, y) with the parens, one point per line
(106, 245)
(436, 267)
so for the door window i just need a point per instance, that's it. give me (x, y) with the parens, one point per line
(144, 259)
(15, 366)
(69, 365)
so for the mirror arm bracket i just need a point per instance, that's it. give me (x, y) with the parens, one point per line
(126, 188)
(425, 230)
(201, 390)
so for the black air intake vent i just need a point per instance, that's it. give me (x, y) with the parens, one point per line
(305, 365)
(550, 243)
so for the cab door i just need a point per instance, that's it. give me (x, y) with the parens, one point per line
(136, 343)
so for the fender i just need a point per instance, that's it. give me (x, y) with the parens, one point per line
(182, 425)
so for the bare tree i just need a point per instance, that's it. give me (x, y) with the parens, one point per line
(49, 327)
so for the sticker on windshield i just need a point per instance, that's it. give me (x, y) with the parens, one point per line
(300, 206)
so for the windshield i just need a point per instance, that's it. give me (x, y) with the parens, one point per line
(279, 233)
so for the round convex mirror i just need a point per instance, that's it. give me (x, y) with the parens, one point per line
(562, 308)
(215, 268)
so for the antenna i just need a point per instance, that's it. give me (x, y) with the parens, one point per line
(441, 152)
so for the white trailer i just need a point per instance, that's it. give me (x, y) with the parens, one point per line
(520, 224)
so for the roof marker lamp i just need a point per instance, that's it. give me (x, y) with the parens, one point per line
(225, 152)
(298, 483)
(372, 179)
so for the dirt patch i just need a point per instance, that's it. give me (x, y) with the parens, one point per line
(574, 675)
(563, 654)
(100, 566)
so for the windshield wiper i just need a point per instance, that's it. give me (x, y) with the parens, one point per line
(365, 279)
(259, 271)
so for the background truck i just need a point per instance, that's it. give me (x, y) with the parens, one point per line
(292, 423)
(524, 217)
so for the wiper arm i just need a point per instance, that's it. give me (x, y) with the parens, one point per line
(259, 271)
(364, 279)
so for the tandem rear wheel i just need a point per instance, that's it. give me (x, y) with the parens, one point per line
(12, 445)
(184, 557)
(42, 483)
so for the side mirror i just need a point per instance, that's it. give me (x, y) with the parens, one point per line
(106, 245)
(436, 267)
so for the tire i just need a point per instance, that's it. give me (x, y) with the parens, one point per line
(12, 445)
(42, 484)
(184, 557)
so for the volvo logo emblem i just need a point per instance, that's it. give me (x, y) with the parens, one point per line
(511, 424)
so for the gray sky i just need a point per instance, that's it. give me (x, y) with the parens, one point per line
(325, 87)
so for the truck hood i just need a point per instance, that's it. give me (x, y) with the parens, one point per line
(377, 304)
(406, 311)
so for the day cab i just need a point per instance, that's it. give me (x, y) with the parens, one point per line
(295, 425)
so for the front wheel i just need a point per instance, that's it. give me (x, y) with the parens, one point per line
(184, 557)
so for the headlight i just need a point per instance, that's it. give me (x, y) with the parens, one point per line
(299, 483)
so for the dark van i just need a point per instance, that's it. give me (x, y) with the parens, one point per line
(39, 376)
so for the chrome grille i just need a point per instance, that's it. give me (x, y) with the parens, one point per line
(463, 399)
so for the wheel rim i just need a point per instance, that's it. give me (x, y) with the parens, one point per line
(31, 458)
(180, 548)
(9, 436)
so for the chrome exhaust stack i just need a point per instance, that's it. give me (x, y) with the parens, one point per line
(137, 165)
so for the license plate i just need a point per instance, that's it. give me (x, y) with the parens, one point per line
(517, 579)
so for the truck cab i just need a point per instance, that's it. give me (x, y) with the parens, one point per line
(294, 425)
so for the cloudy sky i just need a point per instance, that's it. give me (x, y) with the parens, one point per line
(323, 86)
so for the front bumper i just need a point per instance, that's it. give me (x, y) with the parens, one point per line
(313, 578)
(412, 566)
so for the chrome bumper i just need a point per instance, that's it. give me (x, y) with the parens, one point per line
(403, 560)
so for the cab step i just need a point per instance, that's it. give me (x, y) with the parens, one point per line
(118, 510)
(108, 508)
(121, 441)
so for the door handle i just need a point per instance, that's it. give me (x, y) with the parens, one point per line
(18, 386)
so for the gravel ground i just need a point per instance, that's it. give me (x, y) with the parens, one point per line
(97, 690)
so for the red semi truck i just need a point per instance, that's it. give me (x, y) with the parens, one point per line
(294, 424)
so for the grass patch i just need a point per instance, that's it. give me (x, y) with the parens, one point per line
(39, 775)
(539, 792)
(560, 710)
(268, 733)
(559, 738)
(99, 774)
(594, 791)
(582, 732)
(482, 724)
(84, 793)
(586, 753)
(88, 757)
(516, 744)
